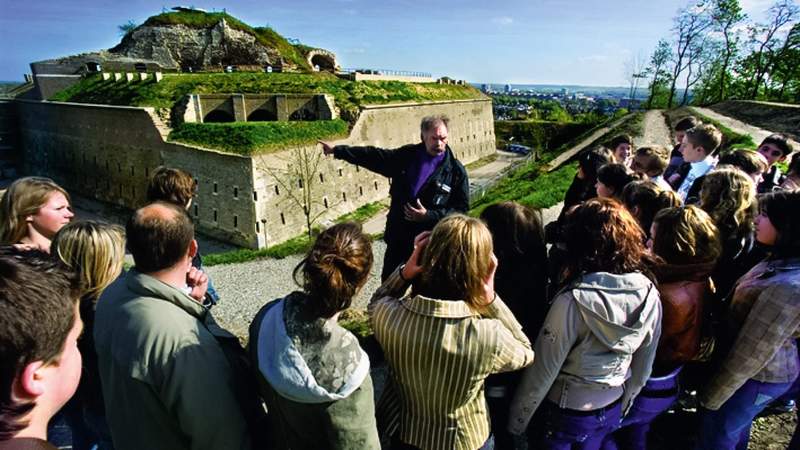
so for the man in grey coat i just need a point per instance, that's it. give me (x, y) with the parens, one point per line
(167, 383)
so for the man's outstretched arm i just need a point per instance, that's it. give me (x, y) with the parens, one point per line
(378, 160)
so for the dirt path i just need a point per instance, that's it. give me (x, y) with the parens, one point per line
(655, 130)
(758, 134)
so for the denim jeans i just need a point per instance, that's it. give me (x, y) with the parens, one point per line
(655, 397)
(397, 444)
(566, 429)
(728, 428)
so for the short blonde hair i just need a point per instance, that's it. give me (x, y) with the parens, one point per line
(457, 260)
(94, 250)
(23, 198)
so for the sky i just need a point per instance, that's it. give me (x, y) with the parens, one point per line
(579, 42)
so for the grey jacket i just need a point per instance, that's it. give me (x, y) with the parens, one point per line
(598, 342)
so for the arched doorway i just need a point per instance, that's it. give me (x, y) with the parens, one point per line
(217, 116)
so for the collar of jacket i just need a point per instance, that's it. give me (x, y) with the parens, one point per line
(148, 286)
(784, 264)
(449, 309)
(668, 273)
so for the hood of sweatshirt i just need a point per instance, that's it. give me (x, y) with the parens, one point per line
(283, 365)
(619, 310)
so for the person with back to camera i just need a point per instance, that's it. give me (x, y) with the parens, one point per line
(166, 378)
(521, 281)
(427, 184)
(596, 348)
(688, 243)
(176, 186)
(95, 251)
(752, 163)
(32, 211)
(650, 162)
(312, 373)
(764, 319)
(444, 338)
(40, 364)
(792, 180)
(644, 199)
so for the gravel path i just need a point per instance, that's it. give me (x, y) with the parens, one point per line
(758, 134)
(655, 130)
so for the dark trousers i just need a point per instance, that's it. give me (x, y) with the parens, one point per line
(397, 252)
(657, 395)
(567, 429)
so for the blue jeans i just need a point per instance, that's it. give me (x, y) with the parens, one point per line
(397, 444)
(567, 429)
(657, 395)
(728, 428)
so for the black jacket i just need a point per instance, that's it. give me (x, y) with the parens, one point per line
(446, 190)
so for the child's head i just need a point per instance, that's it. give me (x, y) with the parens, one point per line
(650, 161)
(687, 123)
(171, 185)
(685, 235)
(775, 147)
(778, 223)
(621, 148)
(612, 179)
(794, 166)
(699, 142)
(590, 162)
(752, 163)
(644, 199)
(40, 364)
(728, 195)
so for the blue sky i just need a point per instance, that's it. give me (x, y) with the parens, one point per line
(527, 41)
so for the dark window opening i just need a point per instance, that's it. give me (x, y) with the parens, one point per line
(375, 183)
(283, 219)
(215, 187)
(262, 115)
(196, 211)
(361, 190)
(325, 201)
(218, 116)
(341, 172)
(215, 215)
(277, 191)
(235, 222)
(235, 192)
(255, 196)
(258, 229)
(344, 196)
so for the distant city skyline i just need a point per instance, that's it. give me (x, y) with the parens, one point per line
(572, 42)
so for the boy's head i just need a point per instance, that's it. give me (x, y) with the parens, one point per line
(699, 142)
(775, 147)
(752, 163)
(171, 185)
(40, 364)
(687, 123)
(621, 148)
(650, 161)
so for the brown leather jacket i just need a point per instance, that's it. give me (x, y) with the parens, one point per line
(683, 290)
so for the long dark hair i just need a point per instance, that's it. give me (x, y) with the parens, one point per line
(783, 210)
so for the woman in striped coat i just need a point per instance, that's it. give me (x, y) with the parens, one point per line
(444, 338)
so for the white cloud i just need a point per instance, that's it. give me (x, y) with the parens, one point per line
(503, 20)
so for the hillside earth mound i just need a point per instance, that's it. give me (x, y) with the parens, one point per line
(778, 117)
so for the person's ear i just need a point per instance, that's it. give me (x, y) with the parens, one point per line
(782, 158)
(30, 381)
(193, 248)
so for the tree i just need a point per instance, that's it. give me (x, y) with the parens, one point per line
(700, 58)
(726, 16)
(658, 69)
(126, 27)
(299, 182)
(785, 65)
(689, 26)
(764, 38)
(634, 72)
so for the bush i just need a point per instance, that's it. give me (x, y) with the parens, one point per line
(248, 138)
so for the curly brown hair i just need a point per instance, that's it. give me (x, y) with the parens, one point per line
(602, 236)
(729, 197)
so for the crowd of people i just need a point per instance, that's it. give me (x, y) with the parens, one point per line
(670, 279)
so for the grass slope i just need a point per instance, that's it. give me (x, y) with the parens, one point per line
(730, 138)
(251, 138)
(349, 95)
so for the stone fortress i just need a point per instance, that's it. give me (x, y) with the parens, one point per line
(107, 152)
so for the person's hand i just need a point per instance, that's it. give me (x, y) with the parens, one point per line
(488, 282)
(198, 281)
(326, 149)
(412, 267)
(415, 213)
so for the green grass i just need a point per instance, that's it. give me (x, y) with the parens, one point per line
(349, 95)
(730, 138)
(363, 212)
(251, 138)
(264, 35)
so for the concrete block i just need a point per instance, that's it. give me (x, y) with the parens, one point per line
(142, 76)
(128, 77)
(106, 76)
(158, 77)
(117, 76)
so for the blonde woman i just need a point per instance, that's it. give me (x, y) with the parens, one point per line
(95, 251)
(445, 338)
(32, 211)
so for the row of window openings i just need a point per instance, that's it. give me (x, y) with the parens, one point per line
(344, 195)
(119, 165)
(277, 191)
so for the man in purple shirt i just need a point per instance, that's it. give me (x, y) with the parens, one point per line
(428, 183)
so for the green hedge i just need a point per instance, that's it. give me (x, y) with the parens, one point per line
(249, 138)
(541, 135)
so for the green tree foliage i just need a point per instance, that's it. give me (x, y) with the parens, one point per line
(659, 74)
(126, 27)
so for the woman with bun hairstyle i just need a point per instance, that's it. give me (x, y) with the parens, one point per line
(688, 243)
(312, 373)
(764, 319)
(596, 348)
(444, 338)
(95, 251)
(32, 211)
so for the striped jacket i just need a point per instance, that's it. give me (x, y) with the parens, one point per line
(440, 352)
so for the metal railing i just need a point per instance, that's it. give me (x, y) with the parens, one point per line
(390, 72)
